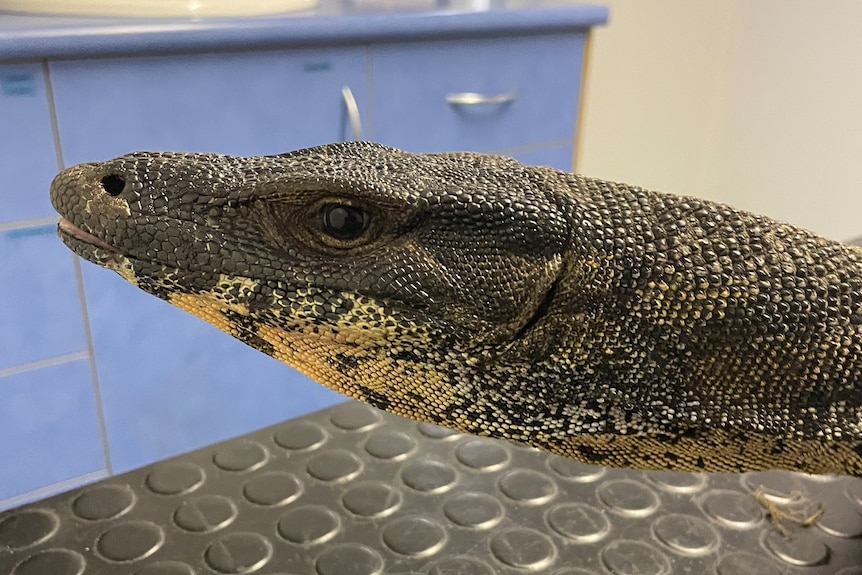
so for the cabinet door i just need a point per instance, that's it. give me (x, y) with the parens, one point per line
(492, 94)
(170, 382)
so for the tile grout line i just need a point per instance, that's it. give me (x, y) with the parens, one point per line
(79, 280)
(33, 365)
(52, 111)
(29, 223)
(369, 93)
(94, 374)
(52, 489)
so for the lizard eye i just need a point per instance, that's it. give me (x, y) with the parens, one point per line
(345, 222)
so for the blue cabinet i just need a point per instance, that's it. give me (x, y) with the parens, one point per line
(489, 95)
(98, 377)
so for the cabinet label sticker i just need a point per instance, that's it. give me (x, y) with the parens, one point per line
(319, 66)
(14, 84)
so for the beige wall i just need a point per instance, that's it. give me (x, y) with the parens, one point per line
(757, 103)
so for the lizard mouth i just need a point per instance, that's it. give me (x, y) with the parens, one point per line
(82, 242)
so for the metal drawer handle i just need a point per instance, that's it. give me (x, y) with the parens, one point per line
(352, 112)
(476, 99)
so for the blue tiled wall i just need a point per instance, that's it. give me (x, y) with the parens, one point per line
(50, 431)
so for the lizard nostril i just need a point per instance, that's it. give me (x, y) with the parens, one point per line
(113, 184)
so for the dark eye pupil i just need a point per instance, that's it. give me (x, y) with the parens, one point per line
(344, 222)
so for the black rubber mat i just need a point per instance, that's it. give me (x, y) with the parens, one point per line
(354, 491)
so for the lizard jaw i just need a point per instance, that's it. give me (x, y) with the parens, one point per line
(70, 233)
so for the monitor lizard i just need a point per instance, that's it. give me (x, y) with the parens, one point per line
(604, 322)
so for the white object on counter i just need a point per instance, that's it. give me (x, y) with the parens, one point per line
(155, 8)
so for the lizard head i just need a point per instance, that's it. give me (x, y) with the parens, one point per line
(361, 265)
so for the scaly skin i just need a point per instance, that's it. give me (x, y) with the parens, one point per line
(599, 321)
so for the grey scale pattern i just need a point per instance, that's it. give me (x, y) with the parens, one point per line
(355, 491)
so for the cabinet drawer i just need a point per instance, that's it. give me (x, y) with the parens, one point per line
(429, 96)
(249, 103)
